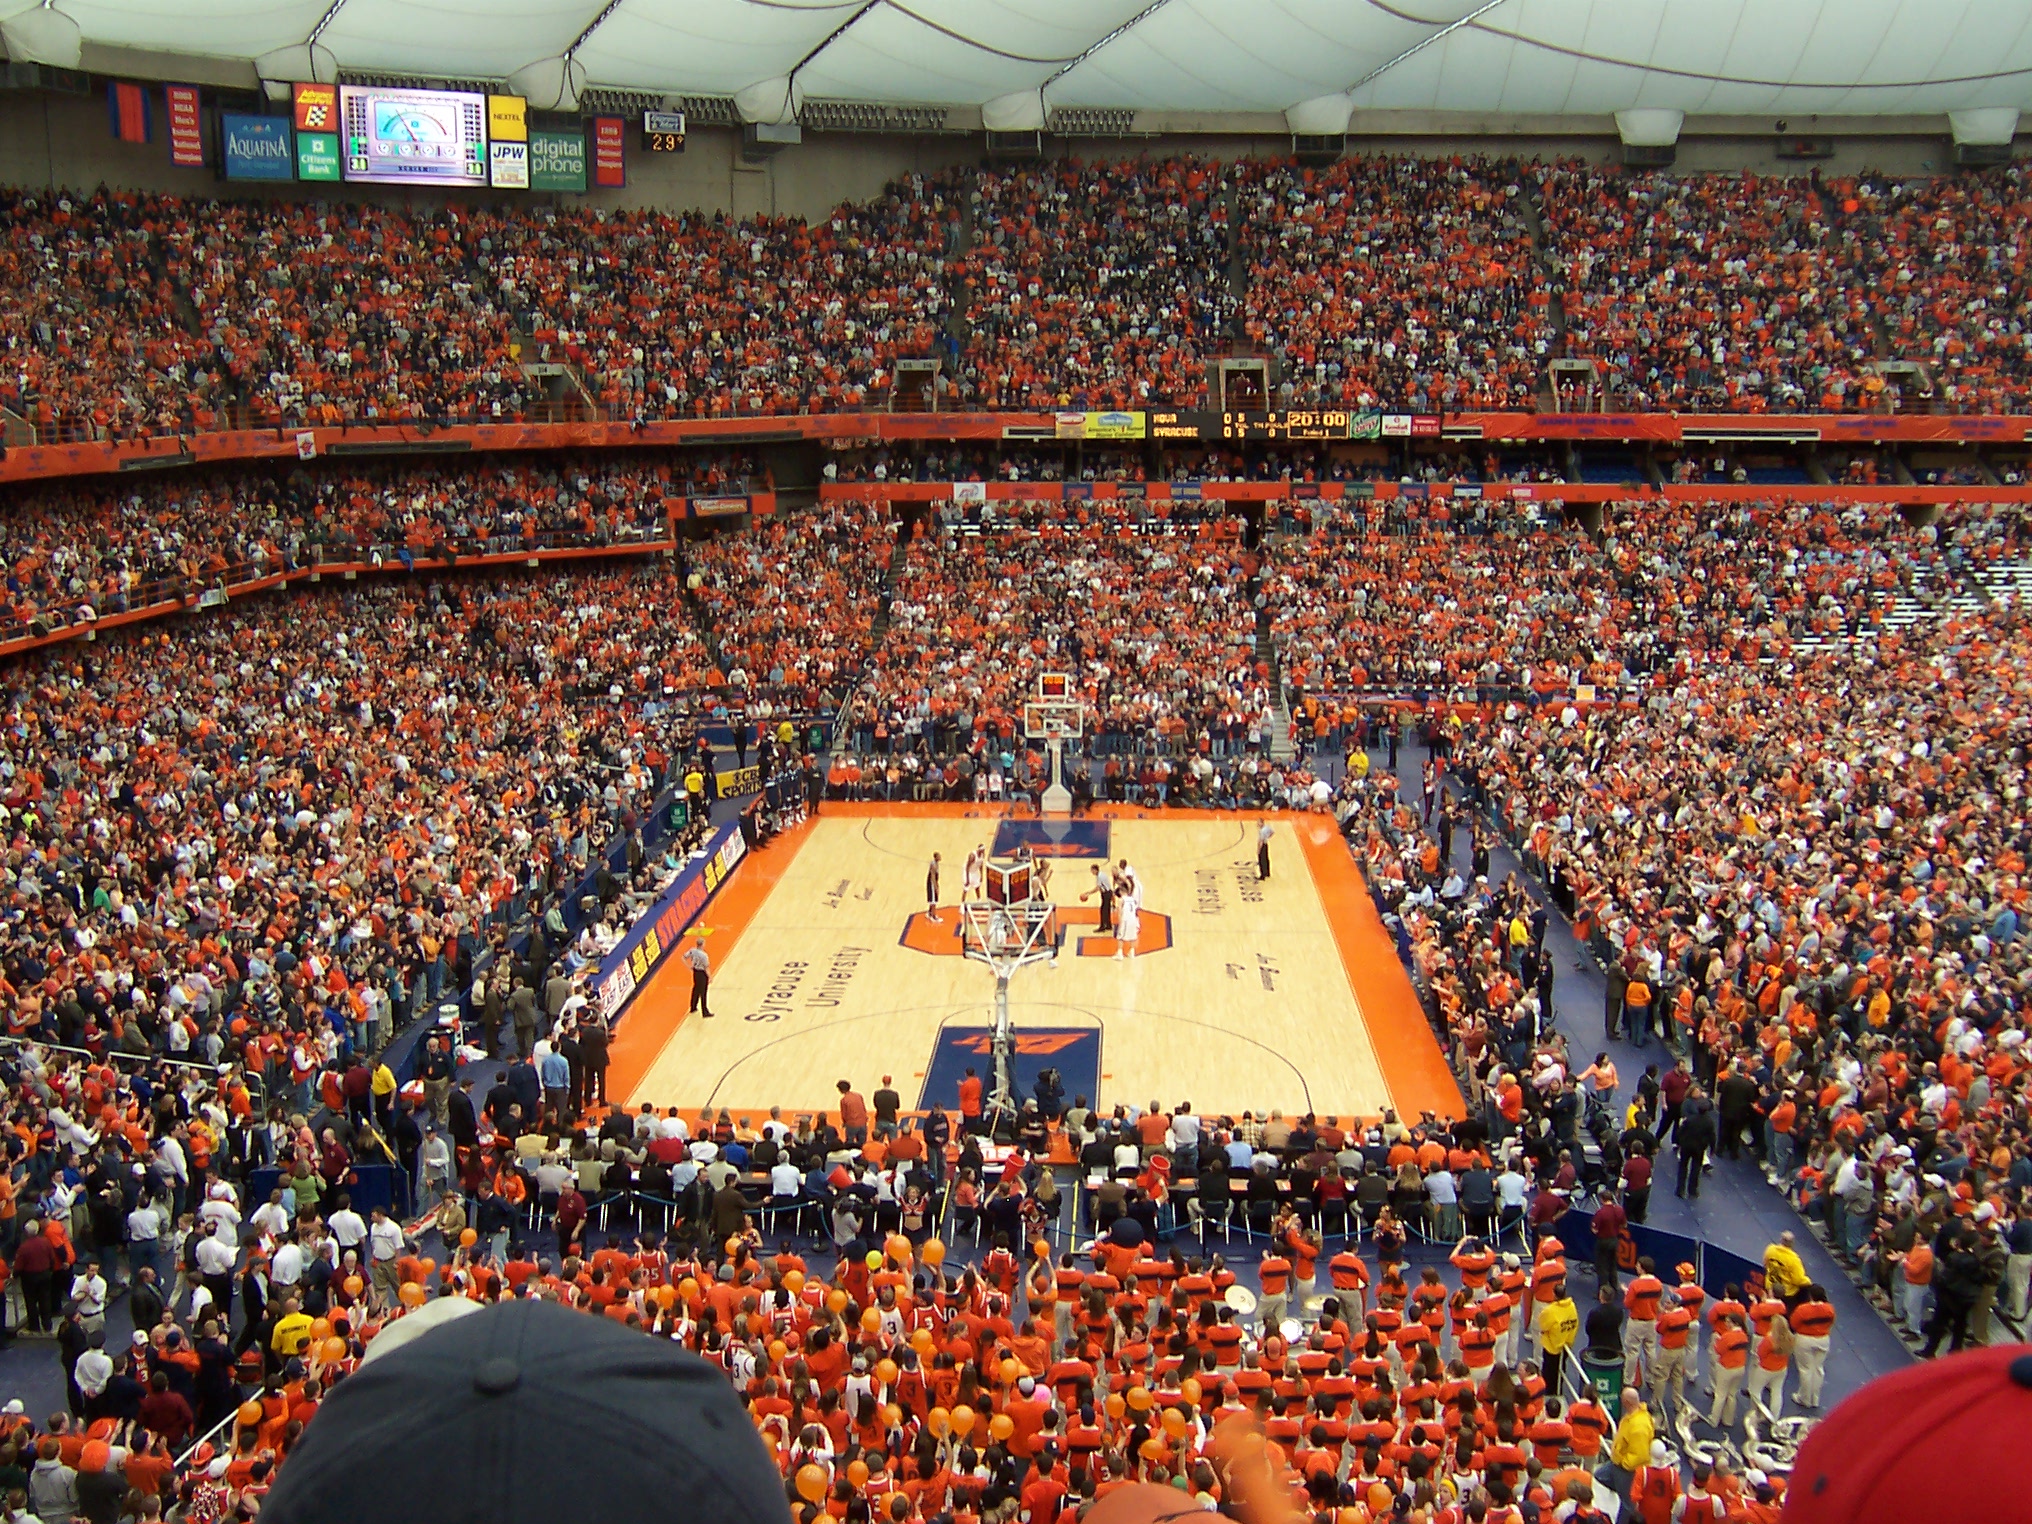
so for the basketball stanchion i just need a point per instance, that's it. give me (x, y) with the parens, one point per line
(1009, 927)
(1055, 716)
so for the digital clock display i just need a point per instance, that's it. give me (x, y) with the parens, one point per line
(1289, 425)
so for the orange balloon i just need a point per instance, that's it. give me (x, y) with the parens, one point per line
(886, 1372)
(1115, 1406)
(412, 1294)
(354, 1285)
(250, 1414)
(1154, 1449)
(1353, 1516)
(963, 1421)
(857, 1473)
(836, 1301)
(666, 1297)
(1010, 1372)
(1189, 1390)
(687, 1288)
(429, 1267)
(469, 1237)
(940, 1421)
(1174, 1423)
(892, 1415)
(320, 1328)
(1139, 1398)
(1040, 1249)
(777, 1350)
(793, 1282)
(811, 1483)
(334, 1350)
(933, 1252)
(733, 1247)
(922, 1341)
(896, 1246)
(871, 1321)
(1001, 1426)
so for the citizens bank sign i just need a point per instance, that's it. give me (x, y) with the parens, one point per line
(256, 147)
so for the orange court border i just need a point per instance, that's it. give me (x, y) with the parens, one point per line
(750, 1059)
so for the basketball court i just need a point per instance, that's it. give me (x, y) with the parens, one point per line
(1283, 993)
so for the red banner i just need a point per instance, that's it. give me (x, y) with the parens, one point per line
(610, 167)
(186, 131)
(128, 106)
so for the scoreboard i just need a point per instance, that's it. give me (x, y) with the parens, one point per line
(1289, 425)
(1293, 426)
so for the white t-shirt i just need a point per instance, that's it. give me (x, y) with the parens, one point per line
(385, 1237)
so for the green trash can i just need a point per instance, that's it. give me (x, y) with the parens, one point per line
(1604, 1373)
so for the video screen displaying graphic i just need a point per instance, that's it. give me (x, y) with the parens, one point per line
(402, 137)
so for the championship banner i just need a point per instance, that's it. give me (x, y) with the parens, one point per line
(656, 933)
(186, 130)
(610, 156)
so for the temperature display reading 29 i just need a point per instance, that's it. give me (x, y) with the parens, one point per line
(1295, 425)
(663, 131)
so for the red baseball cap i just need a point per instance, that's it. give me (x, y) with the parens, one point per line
(1942, 1440)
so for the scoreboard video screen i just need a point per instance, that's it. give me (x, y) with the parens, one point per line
(412, 137)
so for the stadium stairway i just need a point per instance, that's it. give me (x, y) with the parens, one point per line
(1531, 213)
(2008, 584)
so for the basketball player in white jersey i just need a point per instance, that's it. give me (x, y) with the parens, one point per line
(974, 875)
(1128, 909)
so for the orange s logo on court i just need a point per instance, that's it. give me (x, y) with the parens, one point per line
(941, 938)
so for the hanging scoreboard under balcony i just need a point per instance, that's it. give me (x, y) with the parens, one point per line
(663, 132)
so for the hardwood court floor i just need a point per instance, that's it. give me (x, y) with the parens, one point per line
(1285, 993)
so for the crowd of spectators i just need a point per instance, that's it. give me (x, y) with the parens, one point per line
(1722, 292)
(1095, 285)
(890, 1375)
(1810, 891)
(792, 602)
(1395, 282)
(81, 549)
(264, 838)
(1752, 292)
(1158, 631)
(1487, 598)
(676, 315)
(92, 336)
(319, 313)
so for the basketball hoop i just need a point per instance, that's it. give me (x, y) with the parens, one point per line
(1055, 716)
